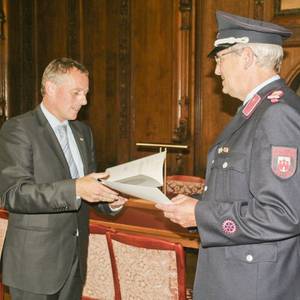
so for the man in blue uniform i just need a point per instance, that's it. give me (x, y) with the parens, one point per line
(249, 215)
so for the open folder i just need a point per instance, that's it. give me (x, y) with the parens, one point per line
(139, 178)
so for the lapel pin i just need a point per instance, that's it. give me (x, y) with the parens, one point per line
(81, 139)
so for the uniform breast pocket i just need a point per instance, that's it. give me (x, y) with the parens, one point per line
(236, 177)
(228, 178)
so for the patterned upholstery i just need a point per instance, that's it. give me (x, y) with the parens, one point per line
(147, 268)
(182, 184)
(99, 282)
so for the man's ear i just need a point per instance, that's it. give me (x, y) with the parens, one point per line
(50, 88)
(248, 57)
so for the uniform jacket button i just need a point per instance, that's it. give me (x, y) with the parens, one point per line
(225, 165)
(249, 258)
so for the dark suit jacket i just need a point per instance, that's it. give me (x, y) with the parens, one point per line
(44, 214)
(249, 216)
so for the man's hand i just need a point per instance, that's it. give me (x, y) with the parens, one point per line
(180, 211)
(118, 204)
(91, 190)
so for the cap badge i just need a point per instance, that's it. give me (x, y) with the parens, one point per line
(251, 106)
(284, 161)
(229, 227)
(275, 96)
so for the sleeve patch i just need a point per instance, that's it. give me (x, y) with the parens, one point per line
(229, 227)
(284, 161)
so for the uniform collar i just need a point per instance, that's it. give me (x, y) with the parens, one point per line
(259, 87)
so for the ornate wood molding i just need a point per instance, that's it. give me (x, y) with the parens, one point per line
(184, 81)
(259, 7)
(3, 67)
(124, 69)
(181, 132)
(2, 20)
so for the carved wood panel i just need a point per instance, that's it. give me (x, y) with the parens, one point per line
(151, 80)
(3, 63)
(162, 68)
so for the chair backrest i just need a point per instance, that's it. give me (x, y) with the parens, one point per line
(184, 184)
(99, 281)
(3, 227)
(147, 268)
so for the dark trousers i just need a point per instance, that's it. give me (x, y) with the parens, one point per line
(71, 290)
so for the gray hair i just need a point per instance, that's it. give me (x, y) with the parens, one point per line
(267, 55)
(58, 68)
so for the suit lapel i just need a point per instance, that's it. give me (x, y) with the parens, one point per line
(50, 138)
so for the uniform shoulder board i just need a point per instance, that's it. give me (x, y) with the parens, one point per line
(251, 106)
(275, 96)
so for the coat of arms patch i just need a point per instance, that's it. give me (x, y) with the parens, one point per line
(284, 161)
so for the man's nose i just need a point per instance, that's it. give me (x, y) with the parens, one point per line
(217, 69)
(83, 100)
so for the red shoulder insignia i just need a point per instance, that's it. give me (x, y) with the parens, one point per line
(275, 96)
(251, 105)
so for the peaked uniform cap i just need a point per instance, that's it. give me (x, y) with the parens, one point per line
(233, 29)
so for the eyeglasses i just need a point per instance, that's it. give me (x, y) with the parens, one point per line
(219, 57)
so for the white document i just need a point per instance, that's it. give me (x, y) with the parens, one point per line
(140, 178)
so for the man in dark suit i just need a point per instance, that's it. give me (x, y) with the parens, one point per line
(47, 175)
(249, 215)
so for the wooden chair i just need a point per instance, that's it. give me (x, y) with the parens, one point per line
(99, 283)
(3, 227)
(147, 268)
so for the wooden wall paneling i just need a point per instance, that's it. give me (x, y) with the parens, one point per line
(38, 33)
(3, 62)
(217, 109)
(291, 64)
(75, 29)
(125, 103)
(152, 65)
(288, 18)
(152, 55)
(159, 92)
(52, 30)
(52, 37)
(100, 47)
(198, 90)
(21, 59)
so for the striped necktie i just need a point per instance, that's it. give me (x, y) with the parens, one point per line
(64, 143)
